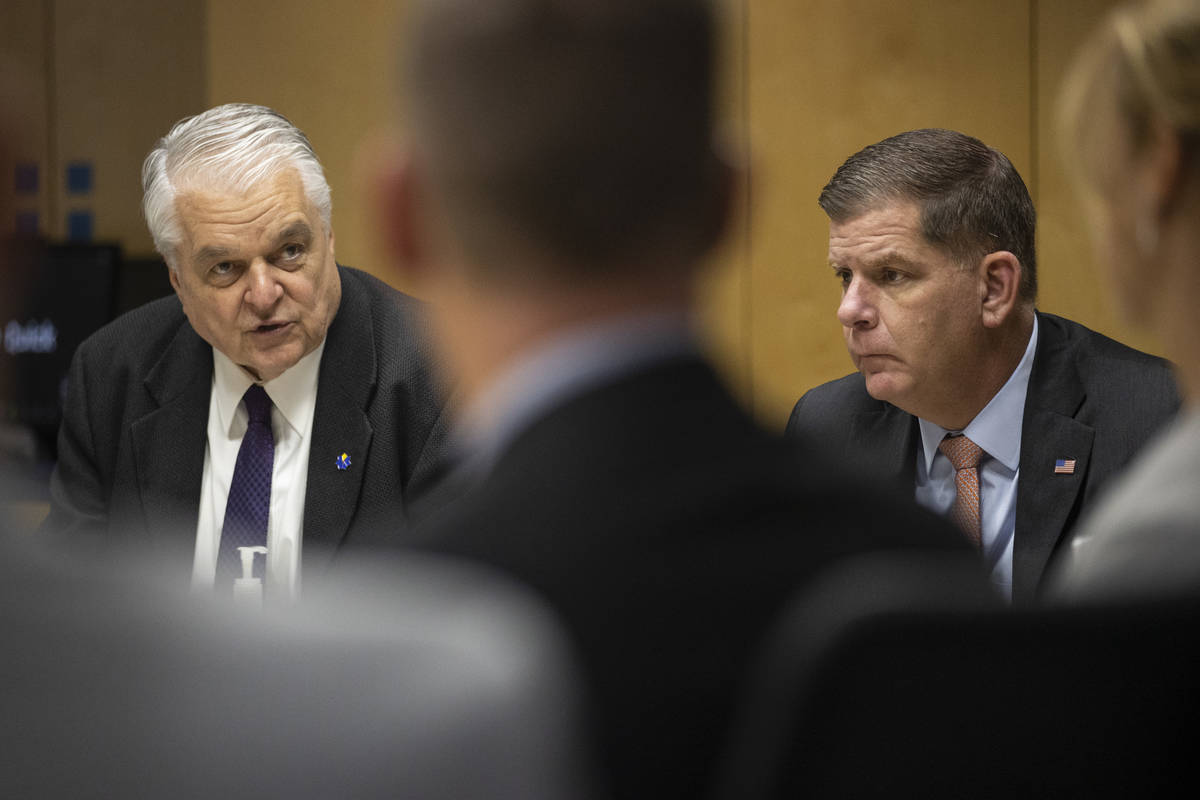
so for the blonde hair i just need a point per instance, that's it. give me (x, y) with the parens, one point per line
(1141, 65)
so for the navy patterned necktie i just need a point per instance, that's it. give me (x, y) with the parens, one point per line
(249, 504)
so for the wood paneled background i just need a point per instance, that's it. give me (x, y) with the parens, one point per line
(805, 83)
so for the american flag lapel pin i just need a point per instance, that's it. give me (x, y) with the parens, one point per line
(1064, 466)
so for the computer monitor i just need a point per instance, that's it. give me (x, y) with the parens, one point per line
(55, 296)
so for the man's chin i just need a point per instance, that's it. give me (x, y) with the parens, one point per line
(884, 387)
(268, 368)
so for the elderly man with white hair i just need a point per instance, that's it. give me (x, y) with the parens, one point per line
(279, 405)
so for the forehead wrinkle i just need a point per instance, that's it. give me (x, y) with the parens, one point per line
(223, 204)
(201, 225)
(221, 224)
(297, 228)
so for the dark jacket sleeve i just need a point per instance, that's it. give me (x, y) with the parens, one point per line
(78, 491)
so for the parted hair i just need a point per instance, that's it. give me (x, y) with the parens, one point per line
(972, 200)
(230, 147)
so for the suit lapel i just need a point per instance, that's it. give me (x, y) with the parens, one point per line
(340, 425)
(169, 442)
(1048, 502)
(885, 440)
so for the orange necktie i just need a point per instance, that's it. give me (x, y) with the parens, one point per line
(964, 455)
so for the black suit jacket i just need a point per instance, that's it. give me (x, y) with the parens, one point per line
(666, 529)
(131, 447)
(1090, 398)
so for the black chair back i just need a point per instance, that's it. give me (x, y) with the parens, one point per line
(887, 681)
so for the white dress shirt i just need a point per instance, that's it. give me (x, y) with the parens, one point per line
(997, 430)
(293, 396)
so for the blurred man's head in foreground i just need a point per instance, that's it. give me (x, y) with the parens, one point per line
(565, 140)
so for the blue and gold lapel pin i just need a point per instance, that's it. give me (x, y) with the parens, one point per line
(343, 461)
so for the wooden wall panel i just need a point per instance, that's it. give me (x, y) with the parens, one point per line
(124, 71)
(805, 83)
(329, 68)
(25, 113)
(827, 77)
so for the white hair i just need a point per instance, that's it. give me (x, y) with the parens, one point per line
(231, 147)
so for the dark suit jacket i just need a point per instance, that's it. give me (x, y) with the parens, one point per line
(1090, 398)
(131, 447)
(666, 529)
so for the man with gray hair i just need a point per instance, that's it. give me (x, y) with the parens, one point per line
(1007, 419)
(278, 403)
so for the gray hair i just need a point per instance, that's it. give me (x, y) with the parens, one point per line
(972, 200)
(230, 147)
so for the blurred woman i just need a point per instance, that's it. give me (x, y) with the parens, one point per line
(1131, 124)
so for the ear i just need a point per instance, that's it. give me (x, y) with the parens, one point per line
(398, 205)
(174, 278)
(1162, 170)
(730, 178)
(1000, 287)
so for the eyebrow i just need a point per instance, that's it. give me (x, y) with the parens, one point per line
(296, 230)
(886, 260)
(211, 252)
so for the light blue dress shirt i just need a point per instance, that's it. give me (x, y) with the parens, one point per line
(996, 429)
(564, 367)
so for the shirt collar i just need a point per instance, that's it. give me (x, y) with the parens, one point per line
(565, 366)
(997, 428)
(294, 393)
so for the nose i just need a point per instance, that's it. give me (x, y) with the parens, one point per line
(262, 289)
(857, 309)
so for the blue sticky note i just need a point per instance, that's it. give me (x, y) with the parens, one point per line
(25, 178)
(79, 177)
(27, 223)
(79, 226)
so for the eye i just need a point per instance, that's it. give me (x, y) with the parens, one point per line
(892, 276)
(291, 252)
(843, 276)
(224, 273)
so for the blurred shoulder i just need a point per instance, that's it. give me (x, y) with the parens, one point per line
(831, 403)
